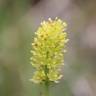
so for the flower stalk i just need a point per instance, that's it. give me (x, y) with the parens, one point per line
(48, 51)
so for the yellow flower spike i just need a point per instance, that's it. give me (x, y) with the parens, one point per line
(48, 50)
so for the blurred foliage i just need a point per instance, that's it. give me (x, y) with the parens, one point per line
(11, 10)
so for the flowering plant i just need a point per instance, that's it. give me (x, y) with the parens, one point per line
(48, 51)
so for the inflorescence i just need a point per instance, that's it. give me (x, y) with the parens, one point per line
(48, 50)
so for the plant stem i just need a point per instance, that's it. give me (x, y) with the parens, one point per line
(46, 88)
(46, 82)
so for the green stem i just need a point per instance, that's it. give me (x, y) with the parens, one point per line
(46, 84)
(46, 88)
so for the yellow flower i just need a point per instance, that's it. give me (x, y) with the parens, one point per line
(38, 77)
(54, 76)
(48, 50)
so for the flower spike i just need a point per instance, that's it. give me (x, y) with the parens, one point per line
(48, 50)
